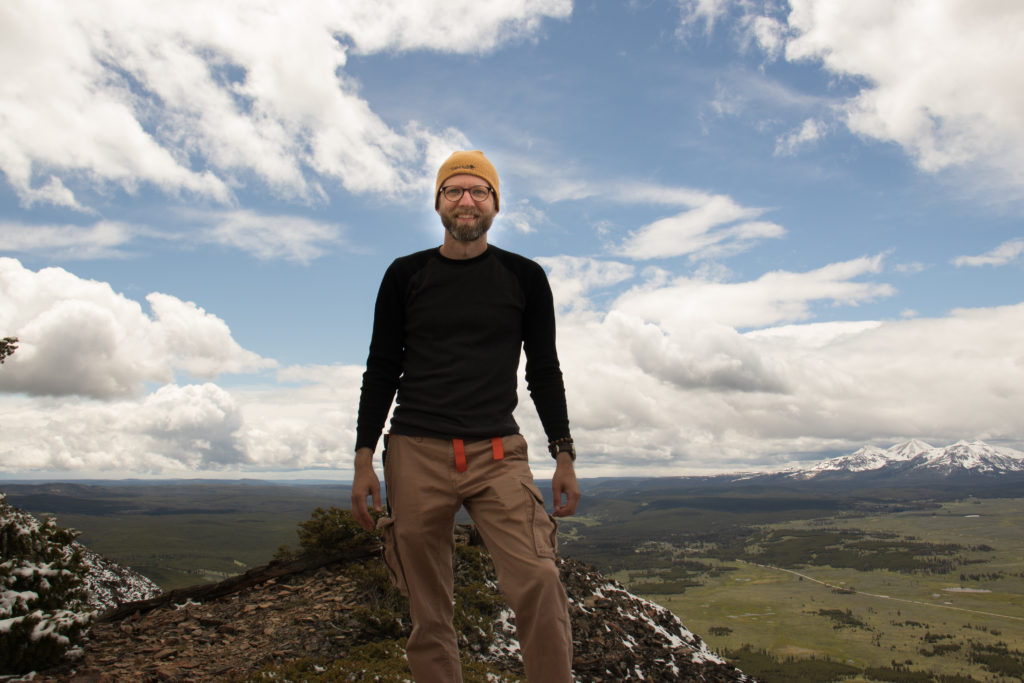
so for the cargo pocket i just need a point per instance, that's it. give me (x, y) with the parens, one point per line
(542, 525)
(386, 527)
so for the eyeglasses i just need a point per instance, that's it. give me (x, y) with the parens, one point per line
(478, 193)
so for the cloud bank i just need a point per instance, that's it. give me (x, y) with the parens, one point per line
(197, 98)
(679, 386)
(683, 374)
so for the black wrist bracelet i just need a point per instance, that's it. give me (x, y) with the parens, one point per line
(564, 445)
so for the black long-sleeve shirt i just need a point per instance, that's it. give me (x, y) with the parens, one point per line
(447, 336)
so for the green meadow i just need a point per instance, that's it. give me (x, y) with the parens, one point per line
(951, 604)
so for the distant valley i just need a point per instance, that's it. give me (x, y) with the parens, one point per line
(740, 558)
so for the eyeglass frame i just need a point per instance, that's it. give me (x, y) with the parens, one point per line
(463, 190)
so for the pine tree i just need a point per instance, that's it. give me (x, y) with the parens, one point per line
(43, 611)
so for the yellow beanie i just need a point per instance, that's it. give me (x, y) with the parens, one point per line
(472, 163)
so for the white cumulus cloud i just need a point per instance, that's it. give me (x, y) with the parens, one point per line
(174, 429)
(942, 77)
(79, 336)
(305, 422)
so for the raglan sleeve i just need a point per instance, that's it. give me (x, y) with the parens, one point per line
(384, 361)
(543, 371)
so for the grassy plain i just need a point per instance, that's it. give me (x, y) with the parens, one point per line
(921, 621)
(183, 533)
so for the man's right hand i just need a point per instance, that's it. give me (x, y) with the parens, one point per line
(365, 484)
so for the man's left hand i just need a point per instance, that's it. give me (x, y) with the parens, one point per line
(563, 483)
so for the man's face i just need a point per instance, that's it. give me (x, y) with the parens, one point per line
(466, 220)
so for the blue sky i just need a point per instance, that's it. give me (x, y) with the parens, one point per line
(776, 231)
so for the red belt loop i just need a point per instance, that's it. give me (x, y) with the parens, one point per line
(460, 455)
(498, 448)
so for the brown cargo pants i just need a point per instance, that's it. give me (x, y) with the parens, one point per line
(427, 481)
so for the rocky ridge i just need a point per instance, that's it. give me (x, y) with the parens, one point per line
(318, 608)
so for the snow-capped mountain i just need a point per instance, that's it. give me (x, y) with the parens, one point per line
(978, 457)
(918, 457)
(908, 450)
(872, 458)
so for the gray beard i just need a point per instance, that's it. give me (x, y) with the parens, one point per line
(466, 232)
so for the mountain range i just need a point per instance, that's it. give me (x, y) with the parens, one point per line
(917, 459)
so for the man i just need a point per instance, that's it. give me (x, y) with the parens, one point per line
(448, 327)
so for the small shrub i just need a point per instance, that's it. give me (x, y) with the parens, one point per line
(328, 531)
(382, 612)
